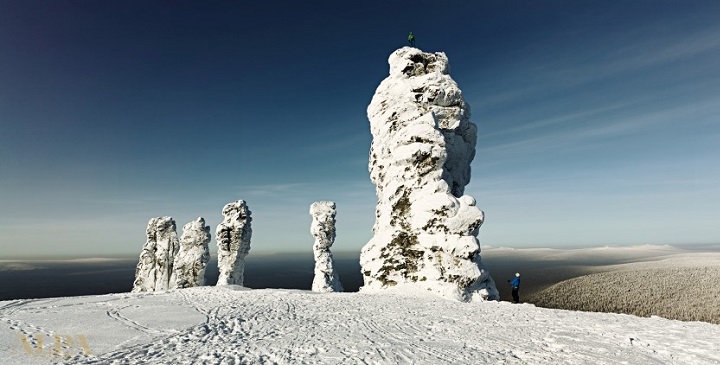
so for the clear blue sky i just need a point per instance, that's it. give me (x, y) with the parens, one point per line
(598, 121)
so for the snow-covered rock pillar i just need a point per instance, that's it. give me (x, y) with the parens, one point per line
(323, 229)
(154, 270)
(193, 256)
(233, 240)
(425, 233)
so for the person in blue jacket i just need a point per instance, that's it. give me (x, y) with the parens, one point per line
(515, 283)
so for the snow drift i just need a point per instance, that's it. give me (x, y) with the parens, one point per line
(423, 142)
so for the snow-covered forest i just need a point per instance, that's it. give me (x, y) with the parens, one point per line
(682, 287)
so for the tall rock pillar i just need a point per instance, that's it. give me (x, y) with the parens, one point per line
(425, 233)
(323, 229)
(193, 256)
(154, 270)
(233, 240)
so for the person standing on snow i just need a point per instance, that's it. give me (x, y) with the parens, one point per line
(411, 40)
(515, 283)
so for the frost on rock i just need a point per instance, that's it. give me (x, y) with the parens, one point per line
(425, 232)
(323, 229)
(155, 268)
(233, 240)
(191, 261)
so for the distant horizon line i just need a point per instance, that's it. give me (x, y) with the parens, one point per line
(274, 253)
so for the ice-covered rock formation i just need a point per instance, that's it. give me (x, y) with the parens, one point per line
(323, 229)
(155, 268)
(425, 233)
(193, 256)
(233, 240)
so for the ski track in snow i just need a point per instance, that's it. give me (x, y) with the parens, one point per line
(233, 325)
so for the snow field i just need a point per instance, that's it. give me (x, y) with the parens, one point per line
(234, 325)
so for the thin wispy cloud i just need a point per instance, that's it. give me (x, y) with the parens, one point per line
(588, 132)
(555, 120)
(653, 50)
(613, 55)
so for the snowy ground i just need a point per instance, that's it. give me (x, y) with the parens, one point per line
(232, 325)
